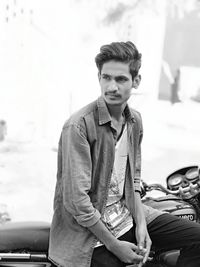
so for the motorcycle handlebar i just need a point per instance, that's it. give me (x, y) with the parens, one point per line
(192, 189)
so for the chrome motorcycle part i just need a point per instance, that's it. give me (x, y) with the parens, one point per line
(192, 174)
(175, 181)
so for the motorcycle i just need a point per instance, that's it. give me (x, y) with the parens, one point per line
(26, 243)
(180, 197)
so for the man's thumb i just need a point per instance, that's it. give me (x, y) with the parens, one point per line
(134, 247)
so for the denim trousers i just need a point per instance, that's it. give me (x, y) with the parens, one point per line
(167, 232)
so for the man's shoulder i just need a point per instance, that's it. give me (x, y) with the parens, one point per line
(78, 116)
(135, 113)
(137, 118)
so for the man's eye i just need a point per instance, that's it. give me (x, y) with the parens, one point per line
(121, 79)
(105, 77)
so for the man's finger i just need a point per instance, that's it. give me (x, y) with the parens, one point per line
(141, 247)
(146, 256)
(134, 247)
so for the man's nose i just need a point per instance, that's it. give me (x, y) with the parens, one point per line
(112, 86)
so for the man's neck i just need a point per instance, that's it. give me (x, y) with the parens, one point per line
(116, 112)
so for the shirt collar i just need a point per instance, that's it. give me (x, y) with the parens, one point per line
(128, 114)
(104, 115)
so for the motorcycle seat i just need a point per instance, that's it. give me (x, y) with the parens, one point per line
(24, 236)
(169, 258)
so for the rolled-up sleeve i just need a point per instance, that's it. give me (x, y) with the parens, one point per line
(76, 174)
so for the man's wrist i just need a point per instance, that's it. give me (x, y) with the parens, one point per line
(137, 191)
(112, 244)
(103, 234)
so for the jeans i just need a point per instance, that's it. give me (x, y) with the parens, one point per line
(167, 232)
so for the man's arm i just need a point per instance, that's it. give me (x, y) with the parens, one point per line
(142, 236)
(76, 175)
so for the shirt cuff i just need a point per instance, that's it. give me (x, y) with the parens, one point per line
(137, 187)
(91, 221)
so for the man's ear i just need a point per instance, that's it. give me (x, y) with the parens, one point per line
(136, 81)
(99, 76)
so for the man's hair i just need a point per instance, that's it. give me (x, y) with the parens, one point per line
(125, 52)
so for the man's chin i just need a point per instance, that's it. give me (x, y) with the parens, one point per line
(113, 102)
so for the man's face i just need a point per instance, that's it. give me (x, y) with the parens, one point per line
(116, 82)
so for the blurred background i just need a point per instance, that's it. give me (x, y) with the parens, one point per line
(47, 72)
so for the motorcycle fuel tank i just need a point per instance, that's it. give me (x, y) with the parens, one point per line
(173, 205)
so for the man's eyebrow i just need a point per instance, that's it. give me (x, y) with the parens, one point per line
(106, 74)
(121, 76)
(117, 76)
(103, 73)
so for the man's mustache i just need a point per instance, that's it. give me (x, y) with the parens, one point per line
(112, 94)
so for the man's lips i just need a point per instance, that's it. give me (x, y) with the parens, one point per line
(113, 95)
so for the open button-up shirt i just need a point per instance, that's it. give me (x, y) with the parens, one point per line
(85, 163)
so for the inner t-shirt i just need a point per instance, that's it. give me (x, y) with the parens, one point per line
(116, 216)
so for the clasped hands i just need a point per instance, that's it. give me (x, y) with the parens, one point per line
(129, 253)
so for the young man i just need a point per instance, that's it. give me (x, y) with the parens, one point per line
(99, 220)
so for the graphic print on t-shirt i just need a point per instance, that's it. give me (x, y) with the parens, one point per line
(116, 216)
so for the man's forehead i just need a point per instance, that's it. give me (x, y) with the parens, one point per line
(115, 68)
